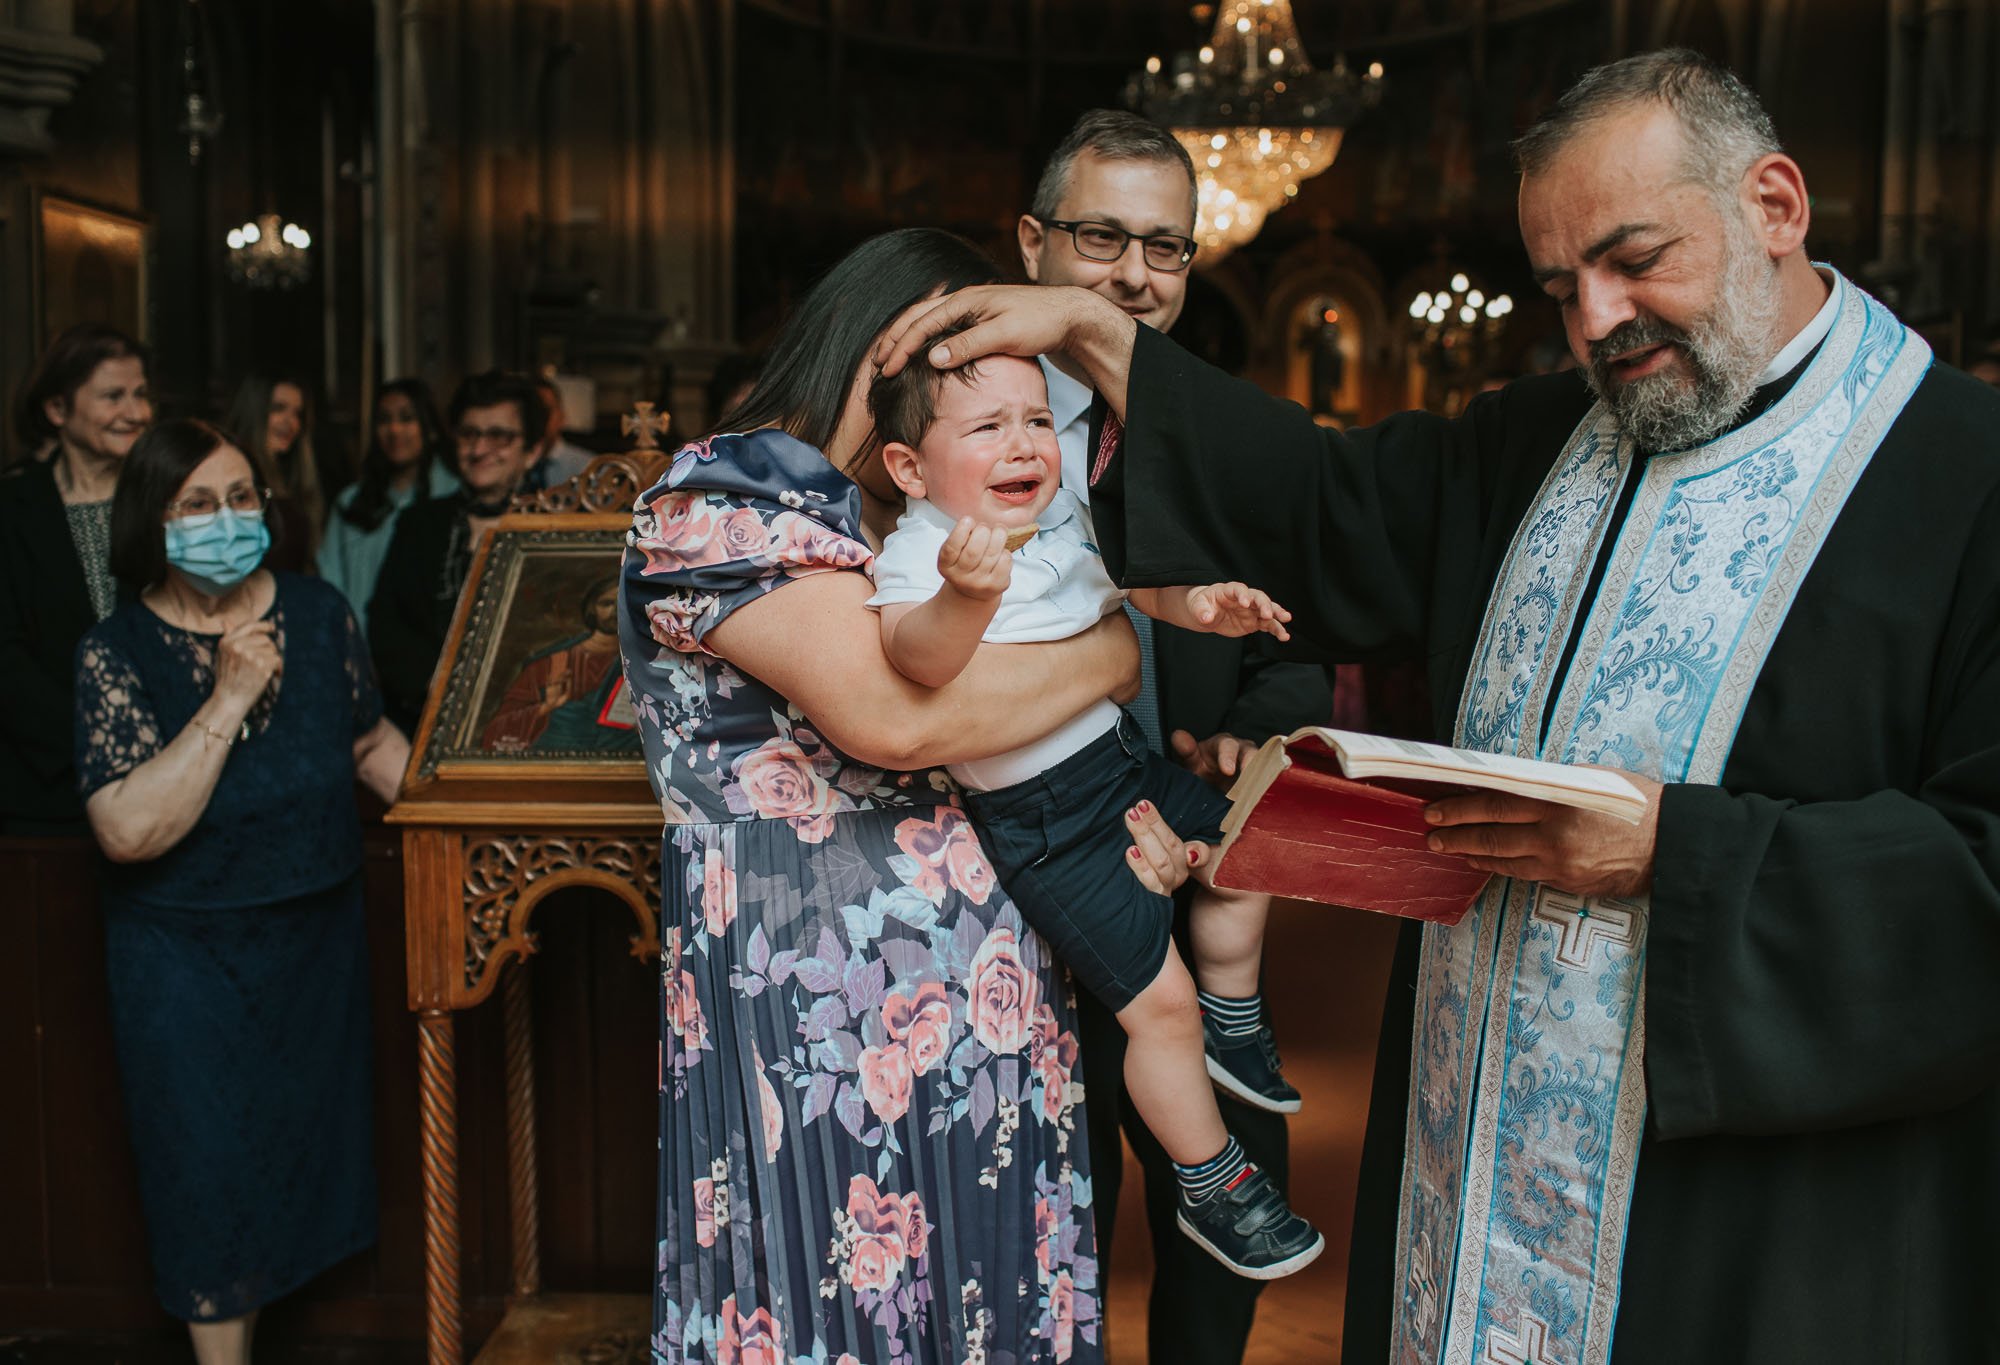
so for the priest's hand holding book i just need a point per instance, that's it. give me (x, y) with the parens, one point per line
(1584, 852)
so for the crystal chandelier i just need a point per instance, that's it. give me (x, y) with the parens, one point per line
(1255, 117)
(269, 253)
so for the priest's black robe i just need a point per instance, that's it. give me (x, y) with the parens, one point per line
(1820, 1176)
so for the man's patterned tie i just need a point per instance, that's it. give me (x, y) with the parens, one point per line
(1146, 707)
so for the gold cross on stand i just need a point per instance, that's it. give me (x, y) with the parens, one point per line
(646, 424)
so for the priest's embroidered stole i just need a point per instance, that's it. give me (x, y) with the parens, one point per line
(1527, 1092)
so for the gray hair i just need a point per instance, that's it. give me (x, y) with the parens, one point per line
(1723, 124)
(1114, 135)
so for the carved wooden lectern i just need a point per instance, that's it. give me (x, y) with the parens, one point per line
(492, 825)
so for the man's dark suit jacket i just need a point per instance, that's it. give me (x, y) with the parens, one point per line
(1199, 1313)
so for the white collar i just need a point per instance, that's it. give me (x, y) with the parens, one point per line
(1811, 335)
(1069, 398)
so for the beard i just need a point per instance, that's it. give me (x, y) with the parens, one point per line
(1724, 351)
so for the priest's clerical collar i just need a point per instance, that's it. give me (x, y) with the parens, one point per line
(1809, 337)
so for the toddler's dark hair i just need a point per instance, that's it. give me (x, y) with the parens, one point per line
(905, 405)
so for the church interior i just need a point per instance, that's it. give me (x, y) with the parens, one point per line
(629, 196)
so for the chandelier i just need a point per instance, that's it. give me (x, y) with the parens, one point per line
(1256, 118)
(1455, 328)
(1458, 315)
(269, 253)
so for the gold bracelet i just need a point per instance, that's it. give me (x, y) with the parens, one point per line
(214, 733)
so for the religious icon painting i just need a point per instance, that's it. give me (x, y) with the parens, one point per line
(531, 676)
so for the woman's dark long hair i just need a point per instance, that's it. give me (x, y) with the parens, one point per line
(811, 368)
(370, 504)
(294, 473)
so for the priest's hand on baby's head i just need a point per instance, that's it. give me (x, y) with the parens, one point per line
(1235, 609)
(975, 561)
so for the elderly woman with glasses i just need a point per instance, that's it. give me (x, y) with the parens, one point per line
(223, 714)
(497, 422)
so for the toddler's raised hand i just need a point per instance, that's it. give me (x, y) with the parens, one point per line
(974, 560)
(1235, 609)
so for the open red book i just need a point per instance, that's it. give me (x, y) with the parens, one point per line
(1338, 817)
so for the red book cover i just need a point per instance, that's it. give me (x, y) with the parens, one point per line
(1318, 835)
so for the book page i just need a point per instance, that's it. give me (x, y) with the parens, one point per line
(1363, 756)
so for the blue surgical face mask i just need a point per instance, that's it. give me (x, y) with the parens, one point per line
(219, 550)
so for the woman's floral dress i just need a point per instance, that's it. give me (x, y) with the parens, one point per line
(871, 1143)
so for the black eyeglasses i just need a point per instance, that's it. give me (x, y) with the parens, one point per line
(501, 437)
(1104, 242)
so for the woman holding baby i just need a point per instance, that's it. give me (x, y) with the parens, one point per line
(869, 1137)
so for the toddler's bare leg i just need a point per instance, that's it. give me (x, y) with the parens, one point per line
(1164, 1070)
(1227, 929)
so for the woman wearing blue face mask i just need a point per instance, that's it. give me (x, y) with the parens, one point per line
(223, 716)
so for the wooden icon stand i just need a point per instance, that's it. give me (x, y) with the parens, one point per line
(486, 836)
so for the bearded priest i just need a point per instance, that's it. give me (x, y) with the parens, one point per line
(1719, 1087)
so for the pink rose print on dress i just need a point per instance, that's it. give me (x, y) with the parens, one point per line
(885, 1080)
(965, 861)
(799, 542)
(718, 893)
(683, 1012)
(924, 842)
(672, 616)
(1053, 1057)
(1062, 1315)
(742, 535)
(875, 1263)
(1045, 1230)
(921, 1022)
(891, 1232)
(914, 1227)
(1001, 994)
(776, 780)
(704, 1212)
(685, 533)
(752, 1340)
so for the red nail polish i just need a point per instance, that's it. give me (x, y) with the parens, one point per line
(1145, 806)
(1194, 857)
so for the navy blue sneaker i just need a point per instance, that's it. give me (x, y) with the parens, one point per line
(1250, 1228)
(1245, 1066)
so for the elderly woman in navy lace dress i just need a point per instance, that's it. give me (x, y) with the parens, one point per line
(223, 715)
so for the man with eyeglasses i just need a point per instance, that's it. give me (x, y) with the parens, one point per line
(1114, 212)
(497, 421)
